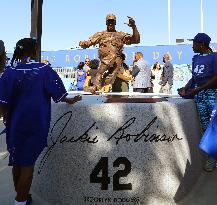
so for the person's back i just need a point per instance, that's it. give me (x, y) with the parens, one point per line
(144, 74)
(31, 88)
(25, 101)
(142, 79)
(167, 76)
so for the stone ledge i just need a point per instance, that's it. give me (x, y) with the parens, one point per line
(160, 141)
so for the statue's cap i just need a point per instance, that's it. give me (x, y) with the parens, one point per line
(110, 16)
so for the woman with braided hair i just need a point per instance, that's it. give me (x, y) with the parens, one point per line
(25, 99)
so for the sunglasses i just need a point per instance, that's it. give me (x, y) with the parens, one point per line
(111, 21)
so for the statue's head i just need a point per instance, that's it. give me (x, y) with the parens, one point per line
(111, 22)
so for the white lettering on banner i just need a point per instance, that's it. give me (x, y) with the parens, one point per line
(133, 54)
(179, 54)
(67, 58)
(86, 56)
(77, 58)
(53, 58)
(156, 55)
(45, 58)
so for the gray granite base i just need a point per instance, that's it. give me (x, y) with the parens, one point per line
(120, 154)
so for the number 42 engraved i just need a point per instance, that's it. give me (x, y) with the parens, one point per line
(104, 179)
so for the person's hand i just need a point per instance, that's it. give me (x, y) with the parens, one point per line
(77, 98)
(131, 22)
(181, 92)
(72, 100)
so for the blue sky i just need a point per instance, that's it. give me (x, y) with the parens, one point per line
(66, 22)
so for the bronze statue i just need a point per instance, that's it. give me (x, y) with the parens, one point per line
(111, 44)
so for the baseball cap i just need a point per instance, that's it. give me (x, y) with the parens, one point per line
(202, 37)
(111, 16)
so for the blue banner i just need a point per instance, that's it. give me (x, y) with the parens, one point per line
(180, 54)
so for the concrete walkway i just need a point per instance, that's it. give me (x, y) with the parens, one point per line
(203, 193)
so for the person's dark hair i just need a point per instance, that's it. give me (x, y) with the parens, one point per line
(94, 64)
(155, 65)
(24, 47)
(80, 65)
(207, 47)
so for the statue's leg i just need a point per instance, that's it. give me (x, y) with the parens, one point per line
(110, 78)
(97, 84)
(102, 69)
(107, 72)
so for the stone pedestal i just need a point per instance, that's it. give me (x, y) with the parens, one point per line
(120, 153)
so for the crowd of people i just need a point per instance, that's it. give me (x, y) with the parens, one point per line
(141, 76)
(27, 87)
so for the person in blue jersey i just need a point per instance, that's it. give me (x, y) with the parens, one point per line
(203, 84)
(25, 101)
(80, 76)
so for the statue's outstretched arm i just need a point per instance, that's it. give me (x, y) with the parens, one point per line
(135, 38)
(93, 40)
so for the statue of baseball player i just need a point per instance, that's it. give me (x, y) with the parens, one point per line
(111, 44)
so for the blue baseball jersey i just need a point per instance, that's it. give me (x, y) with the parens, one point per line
(27, 90)
(204, 67)
(81, 75)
